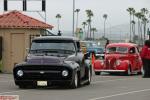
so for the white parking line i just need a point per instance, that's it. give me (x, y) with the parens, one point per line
(12, 92)
(120, 94)
(5, 77)
(6, 81)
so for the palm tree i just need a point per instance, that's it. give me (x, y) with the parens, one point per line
(133, 23)
(58, 16)
(133, 29)
(139, 16)
(145, 21)
(130, 10)
(89, 15)
(93, 30)
(84, 25)
(144, 11)
(77, 11)
(105, 17)
(89, 29)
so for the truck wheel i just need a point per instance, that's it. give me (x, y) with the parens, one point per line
(97, 73)
(22, 87)
(75, 82)
(89, 77)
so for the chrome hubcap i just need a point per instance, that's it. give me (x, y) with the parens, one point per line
(76, 80)
(89, 76)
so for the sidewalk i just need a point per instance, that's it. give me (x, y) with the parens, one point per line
(5, 75)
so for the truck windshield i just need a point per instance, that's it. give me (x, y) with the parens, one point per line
(51, 46)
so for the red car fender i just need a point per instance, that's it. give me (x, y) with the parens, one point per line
(98, 64)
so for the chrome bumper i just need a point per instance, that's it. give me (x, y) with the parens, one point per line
(110, 70)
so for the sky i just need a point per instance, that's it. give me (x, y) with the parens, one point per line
(115, 9)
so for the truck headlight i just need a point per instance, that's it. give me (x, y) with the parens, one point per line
(118, 62)
(20, 73)
(65, 73)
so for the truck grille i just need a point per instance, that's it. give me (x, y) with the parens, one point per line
(43, 72)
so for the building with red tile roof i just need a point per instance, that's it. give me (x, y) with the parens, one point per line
(16, 33)
(15, 19)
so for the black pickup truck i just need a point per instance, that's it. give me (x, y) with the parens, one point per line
(53, 60)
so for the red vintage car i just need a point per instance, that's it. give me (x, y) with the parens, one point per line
(119, 57)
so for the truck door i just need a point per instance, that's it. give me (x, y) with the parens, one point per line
(80, 57)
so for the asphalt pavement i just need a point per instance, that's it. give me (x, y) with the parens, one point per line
(103, 87)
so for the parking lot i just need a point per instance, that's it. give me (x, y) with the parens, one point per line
(104, 87)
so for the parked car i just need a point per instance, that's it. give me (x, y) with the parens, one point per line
(53, 60)
(119, 57)
(92, 47)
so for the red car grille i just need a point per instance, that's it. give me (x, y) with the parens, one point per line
(110, 63)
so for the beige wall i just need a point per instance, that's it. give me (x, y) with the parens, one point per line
(7, 52)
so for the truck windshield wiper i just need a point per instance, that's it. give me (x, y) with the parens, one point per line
(44, 51)
(67, 51)
(49, 51)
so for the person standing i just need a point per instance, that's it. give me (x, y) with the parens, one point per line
(107, 42)
(59, 33)
(145, 55)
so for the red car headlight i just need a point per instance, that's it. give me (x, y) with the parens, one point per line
(118, 62)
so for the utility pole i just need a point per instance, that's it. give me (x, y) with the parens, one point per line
(25, 6)
(73, 18)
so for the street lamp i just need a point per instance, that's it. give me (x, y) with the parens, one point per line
(73, 17)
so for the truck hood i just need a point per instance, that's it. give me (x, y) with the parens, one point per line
(32, 59)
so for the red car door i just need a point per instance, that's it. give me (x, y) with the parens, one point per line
(138, 60)
(133, 57)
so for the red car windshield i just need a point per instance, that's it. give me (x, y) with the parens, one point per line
(117, 50)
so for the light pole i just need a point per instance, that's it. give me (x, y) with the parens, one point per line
(105, 17)
(73, 17)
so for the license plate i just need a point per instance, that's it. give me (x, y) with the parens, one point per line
(41, 83)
